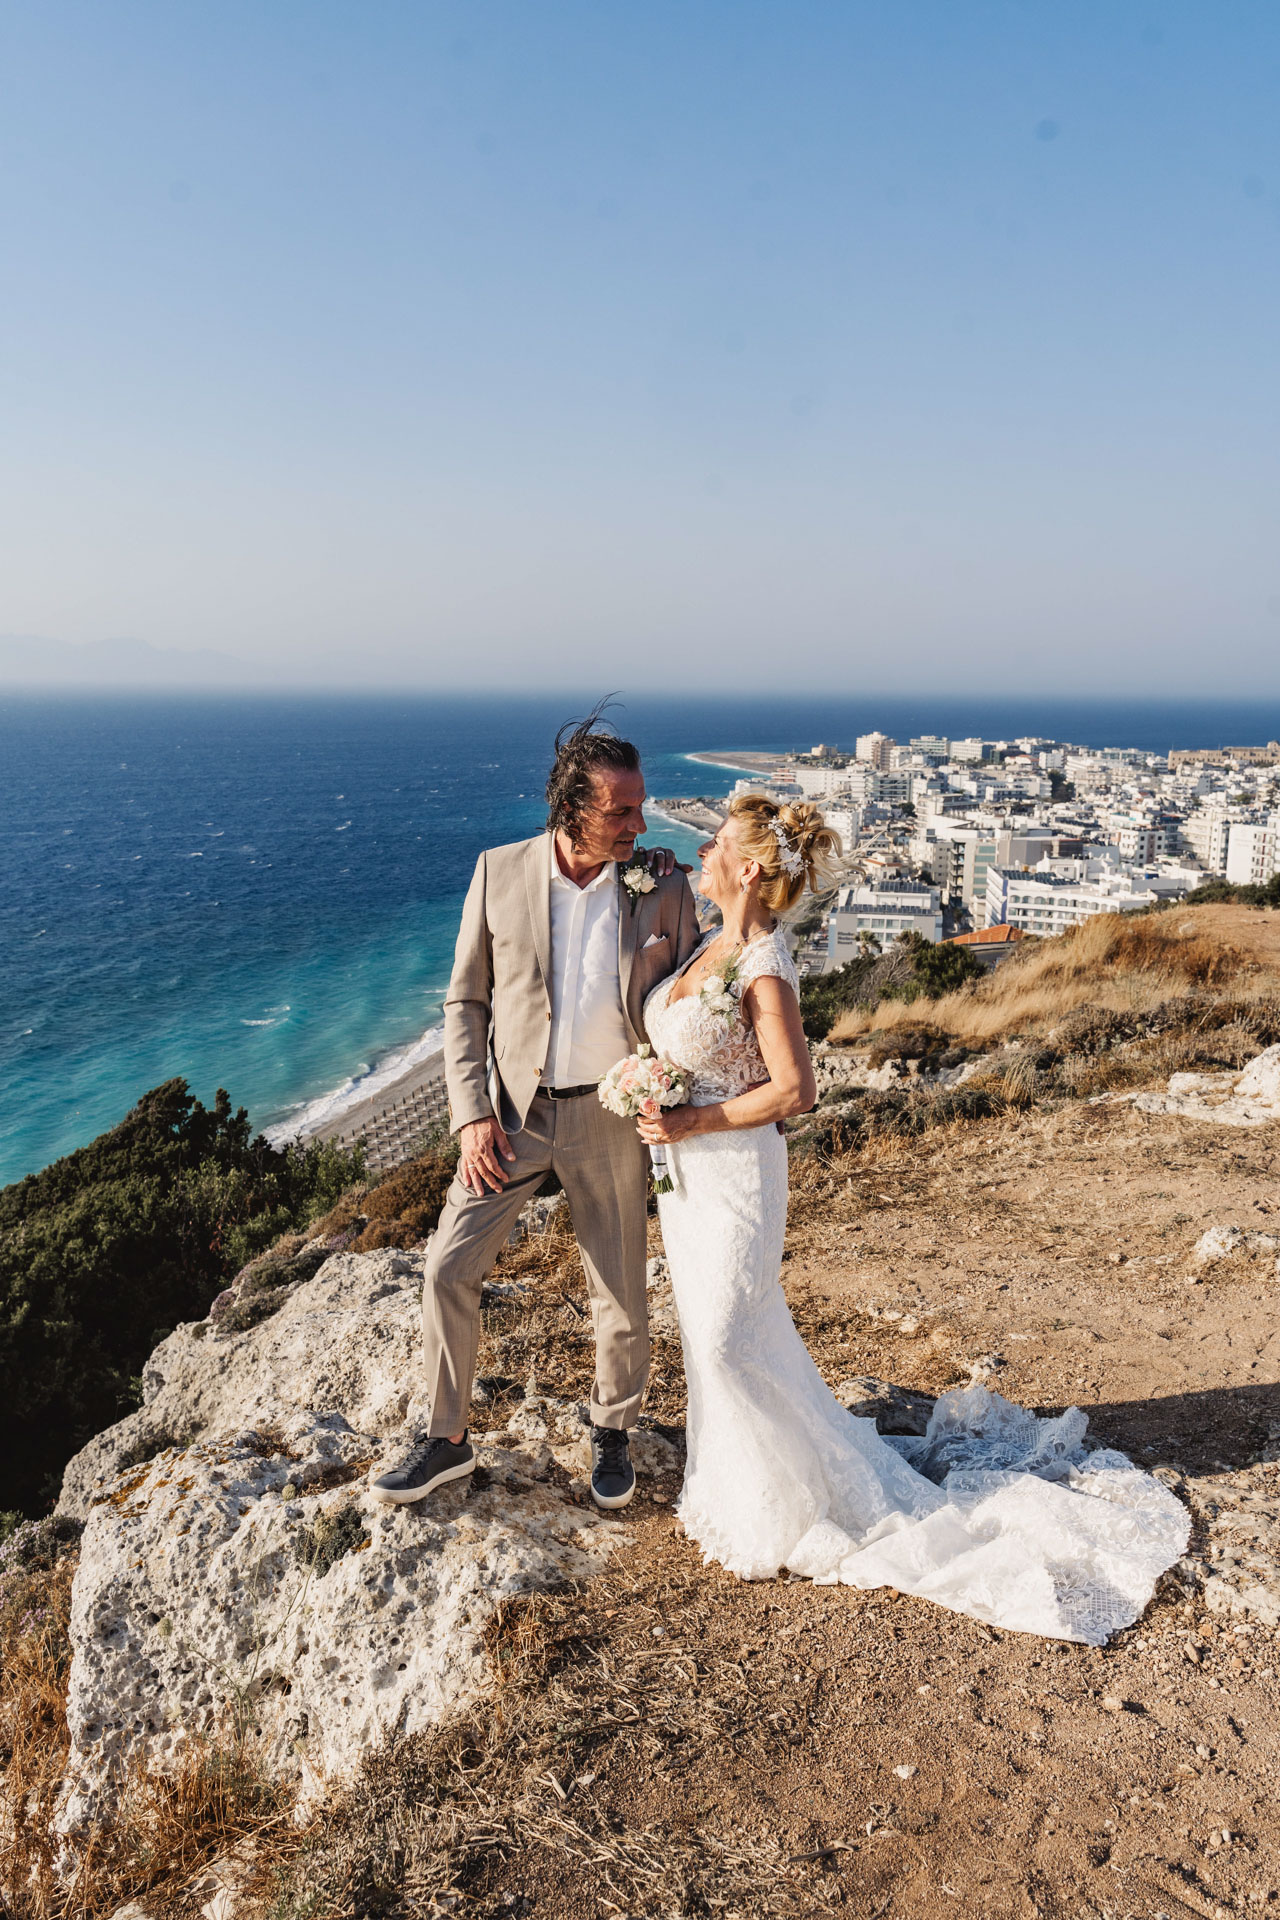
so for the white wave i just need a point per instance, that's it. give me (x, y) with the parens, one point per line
(304, 1119)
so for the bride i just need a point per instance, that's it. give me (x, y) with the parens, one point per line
(994, 1513)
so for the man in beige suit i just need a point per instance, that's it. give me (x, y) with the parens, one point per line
(556, 955)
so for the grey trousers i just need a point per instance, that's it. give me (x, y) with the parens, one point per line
(603, 1167)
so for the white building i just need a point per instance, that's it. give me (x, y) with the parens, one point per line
(1088, 772)
(1207, 833)
(968, 750)
(885, 909)
(932, 746)
(1050, 902)
(817, 782)
(895, 788)
(965, 855)
(875, 749)
(1253, 852)
(847, 822)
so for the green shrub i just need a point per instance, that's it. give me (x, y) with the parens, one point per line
(859, 983)
(941, 969)
(1216, 892)
(105, 1251)
(913, 969)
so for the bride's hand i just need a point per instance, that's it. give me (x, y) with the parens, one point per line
(674, 1123)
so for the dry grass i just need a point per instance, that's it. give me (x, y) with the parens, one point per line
(629, 1681)
(1113, 961)
(35, 1653)
(165, 1831)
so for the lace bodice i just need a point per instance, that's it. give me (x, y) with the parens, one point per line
(722, 1052)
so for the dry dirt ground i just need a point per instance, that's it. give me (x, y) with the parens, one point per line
(1140, 1780)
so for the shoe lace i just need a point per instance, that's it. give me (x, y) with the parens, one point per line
(420, 1452)
(613, 1447)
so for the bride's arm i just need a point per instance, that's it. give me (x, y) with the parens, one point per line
(774, 1012)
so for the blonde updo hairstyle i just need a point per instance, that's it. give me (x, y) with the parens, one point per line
(815, 842)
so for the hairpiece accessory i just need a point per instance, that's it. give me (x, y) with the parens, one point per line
(791, 857)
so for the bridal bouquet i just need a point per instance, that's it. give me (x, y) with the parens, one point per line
(639, 1087)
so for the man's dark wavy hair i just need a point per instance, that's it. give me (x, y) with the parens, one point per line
(581, 747)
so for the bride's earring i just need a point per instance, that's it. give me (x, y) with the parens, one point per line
(744, 885)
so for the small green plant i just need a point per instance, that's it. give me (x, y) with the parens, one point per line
(330, 1535)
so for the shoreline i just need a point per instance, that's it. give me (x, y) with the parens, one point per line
(327, 1114)
(392, 1116)
(398, 1098)
(745, 762)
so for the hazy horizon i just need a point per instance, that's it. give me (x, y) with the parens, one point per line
(435, 348)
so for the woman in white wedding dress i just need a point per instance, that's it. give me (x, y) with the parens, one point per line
(994, 1513)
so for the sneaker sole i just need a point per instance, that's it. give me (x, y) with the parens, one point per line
(609, 1501)
(405, 1496)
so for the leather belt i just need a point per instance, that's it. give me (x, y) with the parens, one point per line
(568, 1093)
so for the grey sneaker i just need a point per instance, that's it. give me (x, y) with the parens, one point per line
(613, 1478)
(430, 1463)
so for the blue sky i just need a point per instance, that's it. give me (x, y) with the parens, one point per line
(894, 345)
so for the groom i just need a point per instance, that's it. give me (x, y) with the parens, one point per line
(560, 944)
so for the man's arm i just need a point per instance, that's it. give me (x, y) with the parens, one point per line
(468, 1010)
(688, 932)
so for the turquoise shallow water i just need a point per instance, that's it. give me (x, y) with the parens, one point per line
(263, 894)
(257, 895)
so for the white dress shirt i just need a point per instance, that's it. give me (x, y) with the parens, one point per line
(588, 1032)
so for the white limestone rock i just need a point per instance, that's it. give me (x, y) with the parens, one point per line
(663, 1317)
(346, 1341)
(1237, 1564)
(248, 1573)
(1248, 1099)
(896, 1072)
(1235, 1243)
(214, 1582)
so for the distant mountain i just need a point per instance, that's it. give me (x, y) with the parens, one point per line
(32, 662)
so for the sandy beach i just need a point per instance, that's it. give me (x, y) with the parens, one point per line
(394, 1118)
(762, 763)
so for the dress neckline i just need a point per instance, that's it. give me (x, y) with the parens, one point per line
(768, 934)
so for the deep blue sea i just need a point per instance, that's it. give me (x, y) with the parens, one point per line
(262, 893)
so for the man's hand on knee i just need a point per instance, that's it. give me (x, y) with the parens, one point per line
(479, 1166)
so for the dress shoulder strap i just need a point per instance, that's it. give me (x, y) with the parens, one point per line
(767, 955)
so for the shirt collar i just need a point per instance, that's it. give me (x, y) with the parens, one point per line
(606, 876)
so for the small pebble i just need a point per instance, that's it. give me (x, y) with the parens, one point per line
(1112, 1703)
(905, 1773)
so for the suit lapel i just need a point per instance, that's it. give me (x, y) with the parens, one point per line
(628, 942)
(537, 878)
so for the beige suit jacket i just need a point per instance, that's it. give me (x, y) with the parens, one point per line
(497, 1016)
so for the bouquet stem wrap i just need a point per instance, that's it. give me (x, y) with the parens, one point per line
(639, 1087)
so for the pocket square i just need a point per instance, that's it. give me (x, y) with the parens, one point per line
(654, 940)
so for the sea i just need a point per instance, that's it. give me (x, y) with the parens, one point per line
(262, 893)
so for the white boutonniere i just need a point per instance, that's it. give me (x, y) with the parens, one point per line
(637, 879)
(722, 990)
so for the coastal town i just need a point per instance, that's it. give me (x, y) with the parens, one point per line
(981, 842)
(986, 841)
